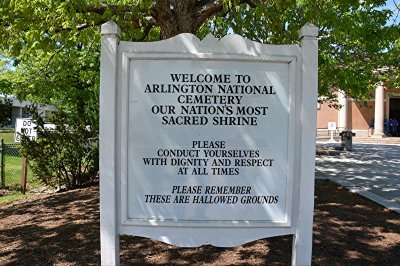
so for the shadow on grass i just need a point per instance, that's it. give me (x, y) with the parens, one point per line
(63, 229)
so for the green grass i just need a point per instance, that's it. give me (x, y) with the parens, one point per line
(8, 137)
(13, 196)
(13, 170)
(13, 165)
(13, 186)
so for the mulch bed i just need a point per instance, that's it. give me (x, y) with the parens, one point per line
(63, 229)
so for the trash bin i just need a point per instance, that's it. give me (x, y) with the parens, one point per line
(347, 140)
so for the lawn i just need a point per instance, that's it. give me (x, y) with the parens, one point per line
(12, 196)
(12, 176)
(8, 137)
(12, 170)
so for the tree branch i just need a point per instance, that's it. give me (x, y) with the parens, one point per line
(210, 8)
(102, 8)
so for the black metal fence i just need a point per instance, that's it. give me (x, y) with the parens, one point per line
(11, 165)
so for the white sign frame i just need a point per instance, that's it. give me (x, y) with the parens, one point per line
(114, 80)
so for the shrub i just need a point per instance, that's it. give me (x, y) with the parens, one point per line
(64, 156)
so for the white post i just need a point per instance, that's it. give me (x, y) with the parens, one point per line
(109, 238)
(302, 240)
(343, 111)
(378, 119)
(387, 106)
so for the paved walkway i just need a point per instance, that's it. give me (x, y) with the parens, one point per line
(372, 170)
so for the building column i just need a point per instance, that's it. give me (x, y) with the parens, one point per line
(342, 119)
(379, 112)
(387, 109)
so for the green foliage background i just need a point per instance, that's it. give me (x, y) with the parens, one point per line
(49, 49)
(5, 111)
(54, 45)
(64, 156)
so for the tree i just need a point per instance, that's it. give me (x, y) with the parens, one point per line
(355, 37)
(63, 156)
(5, 111)
(54, 44)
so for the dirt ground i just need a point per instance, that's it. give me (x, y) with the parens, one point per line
(63, 229)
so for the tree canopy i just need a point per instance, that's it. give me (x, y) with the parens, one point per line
(52, 46)
(5, 111)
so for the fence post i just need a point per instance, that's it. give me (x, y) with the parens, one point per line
(2, 181)
(24, 174)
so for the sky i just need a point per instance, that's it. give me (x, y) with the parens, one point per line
(391, 4)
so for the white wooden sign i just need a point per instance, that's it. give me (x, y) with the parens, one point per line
(332, 129)
(331, 125)
(25, 127)
(199, 144)
(208, 141)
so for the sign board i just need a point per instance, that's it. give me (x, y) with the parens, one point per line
(28, 127)
(201, 141)
(332, 128)
(25, 127)
(331, 125)
(208, 141)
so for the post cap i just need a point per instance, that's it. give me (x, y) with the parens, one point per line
(110, 28)
(308, 30)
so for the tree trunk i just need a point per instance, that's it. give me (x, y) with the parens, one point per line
(183, 16)
(173, 16)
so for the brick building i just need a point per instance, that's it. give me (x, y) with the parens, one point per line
(366, 119)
